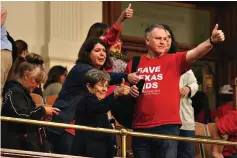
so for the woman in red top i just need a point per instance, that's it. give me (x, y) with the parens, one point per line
(226, 125)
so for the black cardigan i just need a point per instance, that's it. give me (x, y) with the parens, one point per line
(18, 103)
(93, 112)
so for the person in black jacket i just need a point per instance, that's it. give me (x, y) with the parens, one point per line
(18, 103)
(93, 54)
(92, 112)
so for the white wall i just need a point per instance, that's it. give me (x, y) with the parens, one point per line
(54, 30)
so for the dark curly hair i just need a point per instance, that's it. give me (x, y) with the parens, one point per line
(87, 47)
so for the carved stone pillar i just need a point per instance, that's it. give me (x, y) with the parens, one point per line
(69, 23)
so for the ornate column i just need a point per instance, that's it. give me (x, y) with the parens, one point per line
(69, 23)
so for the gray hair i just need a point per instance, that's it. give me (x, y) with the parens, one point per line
(151, 28)
(95, 76)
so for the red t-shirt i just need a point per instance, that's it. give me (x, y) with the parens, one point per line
(224, 109)
(228, 125)
(159, 102)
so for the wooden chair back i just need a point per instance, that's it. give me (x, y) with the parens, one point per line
(37, 99)
(200, 132)
(50, 99)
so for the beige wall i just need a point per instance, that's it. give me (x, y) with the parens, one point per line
(54, 30)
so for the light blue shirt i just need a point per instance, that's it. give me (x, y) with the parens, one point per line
(5, 43)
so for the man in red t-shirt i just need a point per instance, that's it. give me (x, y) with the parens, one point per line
(226, 125)
(157, 107)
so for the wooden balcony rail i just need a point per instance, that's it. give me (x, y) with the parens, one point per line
(122, 132)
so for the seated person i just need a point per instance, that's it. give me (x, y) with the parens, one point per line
(92, 111)
(56, 77)
(226, 100)
(227, 125)
(22, 48)
(18, 103)
(202, 111)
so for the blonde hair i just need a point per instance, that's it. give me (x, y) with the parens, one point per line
(33, 63)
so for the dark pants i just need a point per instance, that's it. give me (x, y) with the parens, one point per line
(61, 143)
(90, 144)
(156, 148)
(186, 149)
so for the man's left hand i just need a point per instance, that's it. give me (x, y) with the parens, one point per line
(217, 36)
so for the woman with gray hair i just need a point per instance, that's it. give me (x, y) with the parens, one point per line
(92, 111)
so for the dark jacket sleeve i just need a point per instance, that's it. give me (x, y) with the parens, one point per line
(19, 106)
(92, 105)
(116, 77)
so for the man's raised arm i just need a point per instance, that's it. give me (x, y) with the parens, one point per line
(217, 36)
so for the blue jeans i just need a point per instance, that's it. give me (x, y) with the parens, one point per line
(156, 148)
(186, 149)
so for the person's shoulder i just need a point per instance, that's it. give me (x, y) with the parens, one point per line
(180, 53)
(14, 91)
(90, 96)
(59, 85)
(13, 85)
(144, 56)
(81, 66)
(230, 116)
(141, 57)
(224, 106)
(189, 73)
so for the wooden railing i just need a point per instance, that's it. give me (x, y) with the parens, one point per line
(123, 132)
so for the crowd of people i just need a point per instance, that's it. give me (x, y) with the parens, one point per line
(102, 87)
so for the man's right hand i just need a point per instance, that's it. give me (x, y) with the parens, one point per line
(134, 91)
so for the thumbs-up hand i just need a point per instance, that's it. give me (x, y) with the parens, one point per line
(122, 89)
(217, 36)
(127, 13)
